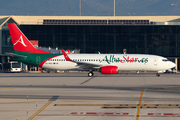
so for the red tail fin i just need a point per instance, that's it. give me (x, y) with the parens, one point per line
(68, 51)
(20, 42)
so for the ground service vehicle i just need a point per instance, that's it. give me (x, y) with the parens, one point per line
(13, 66)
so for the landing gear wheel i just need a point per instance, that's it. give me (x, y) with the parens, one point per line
(90, 74)
(157, 74)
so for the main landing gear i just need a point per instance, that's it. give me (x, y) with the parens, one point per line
(90, 74)
(157, 74)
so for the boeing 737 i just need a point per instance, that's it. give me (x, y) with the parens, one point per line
(106, 63)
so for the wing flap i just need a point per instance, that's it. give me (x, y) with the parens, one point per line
(86, 65)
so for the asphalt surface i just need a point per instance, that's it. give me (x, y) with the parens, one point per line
(74, 96)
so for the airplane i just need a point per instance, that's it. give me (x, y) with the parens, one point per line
(106, 63)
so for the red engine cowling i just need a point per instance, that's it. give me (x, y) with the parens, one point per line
(109, 70)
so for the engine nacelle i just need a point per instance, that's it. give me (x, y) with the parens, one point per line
(109, 70)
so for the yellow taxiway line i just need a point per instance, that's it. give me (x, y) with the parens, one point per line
(40, 110)
(139, 106)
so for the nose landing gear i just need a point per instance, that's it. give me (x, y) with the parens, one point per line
(157, 74)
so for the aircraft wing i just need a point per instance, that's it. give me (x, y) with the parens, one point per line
(15, 55)
(87, 65)
(83, 65)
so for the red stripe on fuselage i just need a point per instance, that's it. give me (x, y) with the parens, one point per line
(42, 63)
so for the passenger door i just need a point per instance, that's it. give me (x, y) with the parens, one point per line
(155, 61)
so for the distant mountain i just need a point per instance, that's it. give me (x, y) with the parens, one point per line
(90, 7)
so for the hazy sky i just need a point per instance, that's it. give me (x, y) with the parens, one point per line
(90, 7)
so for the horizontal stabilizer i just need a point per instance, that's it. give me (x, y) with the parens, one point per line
(15, 55)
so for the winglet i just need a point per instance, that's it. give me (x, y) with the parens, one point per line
(66, 56)
(68, 51)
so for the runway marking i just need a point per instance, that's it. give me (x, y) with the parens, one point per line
(123, 105)
(165, 114)
(86, 104)
(139, 106)
(40, 110)
(120, 115)
(136, 107)
(97, 113)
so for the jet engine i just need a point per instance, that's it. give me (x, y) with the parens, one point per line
(109, 70)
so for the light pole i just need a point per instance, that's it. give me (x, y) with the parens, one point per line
(114, 7)
(79, 7)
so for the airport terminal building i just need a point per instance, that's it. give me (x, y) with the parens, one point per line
(159, 35)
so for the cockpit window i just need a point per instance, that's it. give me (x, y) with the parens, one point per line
(165, 60)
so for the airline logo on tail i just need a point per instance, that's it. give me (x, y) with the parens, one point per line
(22, 44)
(20, 40)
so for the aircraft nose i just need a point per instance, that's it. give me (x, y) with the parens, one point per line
(172, 65)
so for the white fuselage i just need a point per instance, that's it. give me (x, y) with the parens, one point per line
(134, 62)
